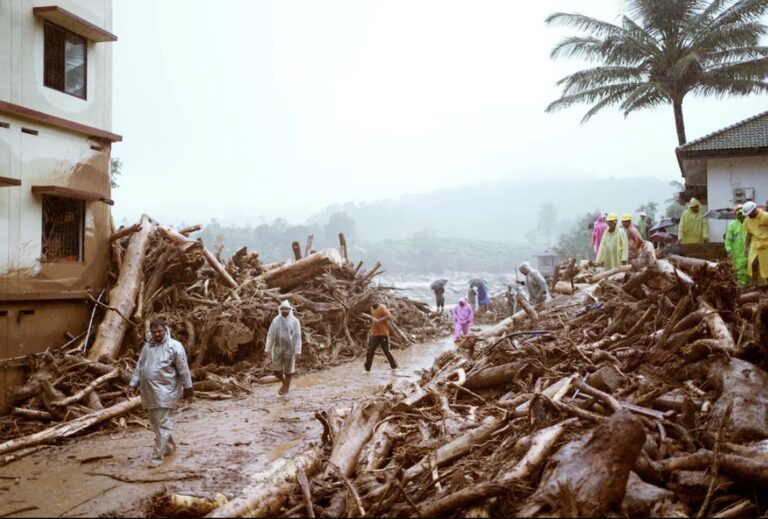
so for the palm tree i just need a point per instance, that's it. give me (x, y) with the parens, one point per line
(663, 50)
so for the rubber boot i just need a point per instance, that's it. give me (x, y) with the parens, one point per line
(286, 384)
(281, 378)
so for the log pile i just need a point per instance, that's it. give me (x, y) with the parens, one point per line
(220, 311)
(643, 394)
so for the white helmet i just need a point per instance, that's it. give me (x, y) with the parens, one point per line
(749, 208)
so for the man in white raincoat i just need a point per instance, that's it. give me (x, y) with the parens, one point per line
(538, 292)
(284, 342)
(162, 377)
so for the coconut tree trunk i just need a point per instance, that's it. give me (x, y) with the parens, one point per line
(679, 121)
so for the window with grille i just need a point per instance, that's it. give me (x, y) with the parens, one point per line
(66, 61)
(63, 229)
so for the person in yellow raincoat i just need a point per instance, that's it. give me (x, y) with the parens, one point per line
(736, 245)
(756, 225)
(613, 251)
(693, 227)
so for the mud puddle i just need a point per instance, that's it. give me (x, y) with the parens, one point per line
(220, 443)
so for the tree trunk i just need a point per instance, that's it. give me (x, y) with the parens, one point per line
(109, 336)
(743, 384)
(498, 375)
(296, 250)
(66, 429)
(454, 449)
(677, 106)
(188, 243)
(294, 274)
(272, 487)
(594, 469)
(357, 430)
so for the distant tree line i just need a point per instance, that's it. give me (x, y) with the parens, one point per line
(424, 252)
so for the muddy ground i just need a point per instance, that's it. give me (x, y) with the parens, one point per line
(220, 443)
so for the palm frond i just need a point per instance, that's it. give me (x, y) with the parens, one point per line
(594, 77)
(584, 23)
(592, 95)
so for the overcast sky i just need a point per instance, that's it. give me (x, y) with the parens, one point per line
(247, 110)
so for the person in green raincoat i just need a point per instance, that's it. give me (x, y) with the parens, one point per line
(693, 227)
(735, 244)
(614, 249)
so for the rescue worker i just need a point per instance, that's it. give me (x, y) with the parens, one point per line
(614, 250)
(736, 245)
(538, 292)
(463, 316)
(693, 227)
(643, 225)
(284, 344)
(756, 226)
(161, 377)
(634, 240)
(379, 335)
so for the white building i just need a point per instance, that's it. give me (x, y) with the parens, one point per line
(728, 167)
(55, 145)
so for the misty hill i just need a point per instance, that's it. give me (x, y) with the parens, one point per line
(428, 253)
(504, 211)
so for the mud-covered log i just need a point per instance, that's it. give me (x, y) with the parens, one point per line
(538, 449)
(443, 506)
(355, 433)
(271, 488)
(692, 263)
(378, 448)
(607, 378)
(296, 247)
(125, 231)
(746, 386)
(455, 448)
(33, 414)
(66, 429)
(640, 497)
(532, 315)
(612, 272)
(186, 244)
(717, 327)
(291, 275)
(90, 387)
(109, 335)
(594, 468)
(497, 375)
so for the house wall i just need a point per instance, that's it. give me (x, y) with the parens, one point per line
(21, 60)
(40, 302)
(726, 173)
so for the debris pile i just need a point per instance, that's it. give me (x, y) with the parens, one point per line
(642, 394)
(220, 311)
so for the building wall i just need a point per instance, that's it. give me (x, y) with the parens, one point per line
(727, 173)
(42, 302)
(21, 54)
(53, 157)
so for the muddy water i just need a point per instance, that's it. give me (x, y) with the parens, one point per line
(219, 444)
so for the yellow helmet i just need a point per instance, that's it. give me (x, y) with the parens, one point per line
(626, 217)
(613, 217)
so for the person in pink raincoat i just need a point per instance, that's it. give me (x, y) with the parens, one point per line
(597, 232)
(463, 316)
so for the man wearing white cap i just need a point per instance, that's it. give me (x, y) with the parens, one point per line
(284, 343)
